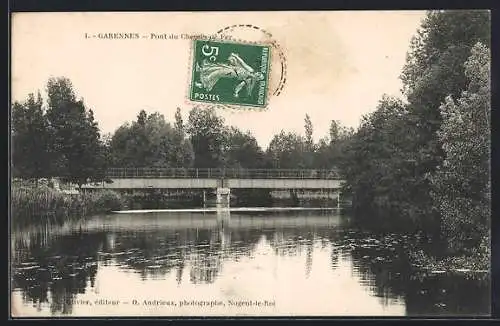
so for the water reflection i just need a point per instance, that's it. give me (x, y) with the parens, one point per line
(308, 263)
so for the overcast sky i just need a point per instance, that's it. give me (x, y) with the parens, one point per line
(338, 63)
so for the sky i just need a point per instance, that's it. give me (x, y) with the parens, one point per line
(338, 63)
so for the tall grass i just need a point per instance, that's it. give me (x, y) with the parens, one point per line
(43, 204)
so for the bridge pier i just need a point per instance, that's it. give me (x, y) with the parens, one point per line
(223, 197)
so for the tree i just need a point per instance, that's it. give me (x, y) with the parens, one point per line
(243, 150)
(93, 159)
(308, 127)
(286, 151)
(150, 141)
(187, 158)
(184, 155)
(334, 131)
(106, 152)
(74, 135)
(323, 155)
(206, 133)
(30, 154)
(461, 185)
(434, 70)
(141, 118)
(331, 148)
(179, 124)
(309, 148)
(444, 32)
(376, 164)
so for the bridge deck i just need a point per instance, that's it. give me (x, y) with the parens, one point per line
(180, 183)
(175, 178)
(209, 173)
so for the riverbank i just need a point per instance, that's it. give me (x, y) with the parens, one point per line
(34, 204)
(476, 260)
(428, 250)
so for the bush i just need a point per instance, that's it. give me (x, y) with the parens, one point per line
(107, 201)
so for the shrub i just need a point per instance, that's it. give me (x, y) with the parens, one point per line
(107, 201)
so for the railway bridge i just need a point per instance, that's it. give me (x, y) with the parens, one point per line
(221, 179)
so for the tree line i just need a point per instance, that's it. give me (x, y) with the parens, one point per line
(60, 138)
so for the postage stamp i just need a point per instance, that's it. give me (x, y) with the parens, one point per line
(230, 73)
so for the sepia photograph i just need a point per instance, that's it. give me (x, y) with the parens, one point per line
(250, 163)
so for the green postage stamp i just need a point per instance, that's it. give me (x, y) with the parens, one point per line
(230, 73)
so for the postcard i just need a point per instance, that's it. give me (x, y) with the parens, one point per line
(284, 163)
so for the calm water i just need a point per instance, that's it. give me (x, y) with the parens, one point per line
(167, 264)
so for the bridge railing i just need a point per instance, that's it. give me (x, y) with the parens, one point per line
(203, 173)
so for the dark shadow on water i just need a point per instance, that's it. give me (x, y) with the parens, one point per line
(381, 260)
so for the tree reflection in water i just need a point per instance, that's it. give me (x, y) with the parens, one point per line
(60, 268)
(382, 261)
(52, 267)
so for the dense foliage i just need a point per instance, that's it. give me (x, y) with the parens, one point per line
(60, 140)
(31, 157)
(150, 142)
(461, 186)
(425, 159)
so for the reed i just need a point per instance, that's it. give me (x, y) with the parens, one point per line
(31, 204)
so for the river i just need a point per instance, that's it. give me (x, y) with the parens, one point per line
(286, 263)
